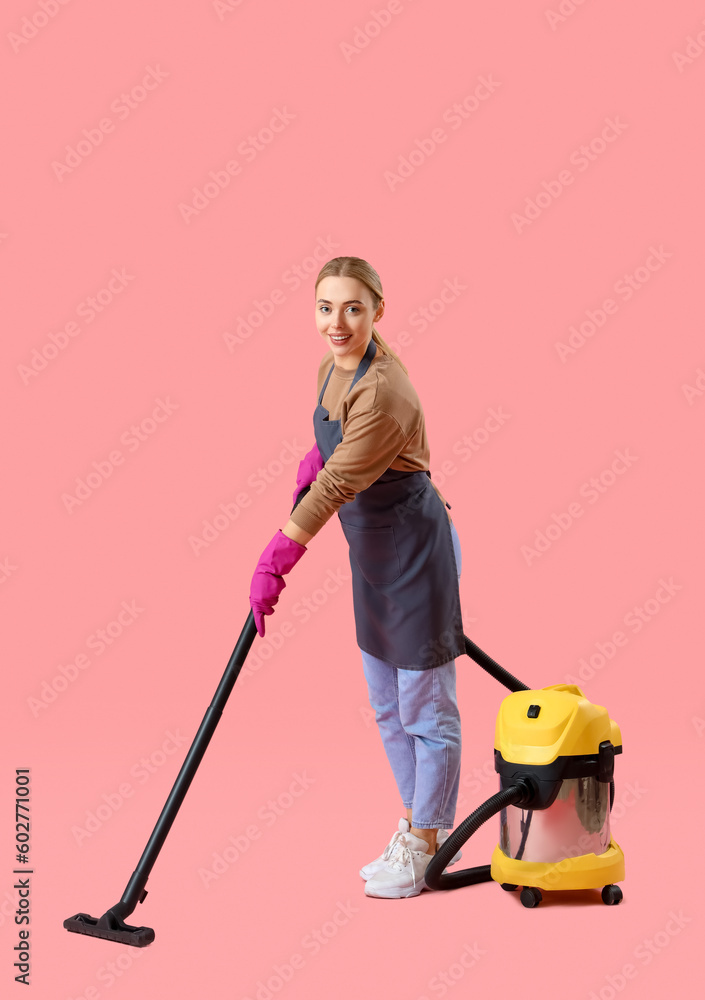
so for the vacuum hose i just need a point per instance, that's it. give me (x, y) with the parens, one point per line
(515, 794)
(492, 667)
(519, 792)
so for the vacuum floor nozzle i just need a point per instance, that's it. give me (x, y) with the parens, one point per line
(111, 928)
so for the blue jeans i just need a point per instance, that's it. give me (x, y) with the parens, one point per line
(418, 720)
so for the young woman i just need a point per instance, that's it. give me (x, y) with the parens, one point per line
(370, 466)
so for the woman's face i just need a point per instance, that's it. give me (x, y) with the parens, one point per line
(344, 316)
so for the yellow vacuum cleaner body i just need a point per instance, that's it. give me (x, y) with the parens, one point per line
(562, 746)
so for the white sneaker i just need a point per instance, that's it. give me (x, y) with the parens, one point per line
(378, 864)
(403, 874)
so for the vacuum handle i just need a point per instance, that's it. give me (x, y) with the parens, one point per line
(242, 647)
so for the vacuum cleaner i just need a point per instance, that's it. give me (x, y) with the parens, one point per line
(554, 754)
(547, 764)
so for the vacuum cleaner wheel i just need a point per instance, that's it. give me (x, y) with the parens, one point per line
(611, 895)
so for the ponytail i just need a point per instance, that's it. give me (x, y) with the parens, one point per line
(387, 350)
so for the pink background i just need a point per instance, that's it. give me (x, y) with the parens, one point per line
(320, 185)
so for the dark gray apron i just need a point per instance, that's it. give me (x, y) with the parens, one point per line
(404, 574)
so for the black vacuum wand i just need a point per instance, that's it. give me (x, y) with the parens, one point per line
(111, 926)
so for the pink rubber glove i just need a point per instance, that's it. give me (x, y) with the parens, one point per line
(309, 467)
(280, 556)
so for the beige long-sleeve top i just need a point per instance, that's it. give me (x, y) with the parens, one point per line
(383, 427)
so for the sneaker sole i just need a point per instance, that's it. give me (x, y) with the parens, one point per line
(397, 893)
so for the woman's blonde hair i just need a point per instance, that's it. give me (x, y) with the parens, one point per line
(356, 267)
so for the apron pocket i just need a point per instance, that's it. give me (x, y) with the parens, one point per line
(375, 550)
